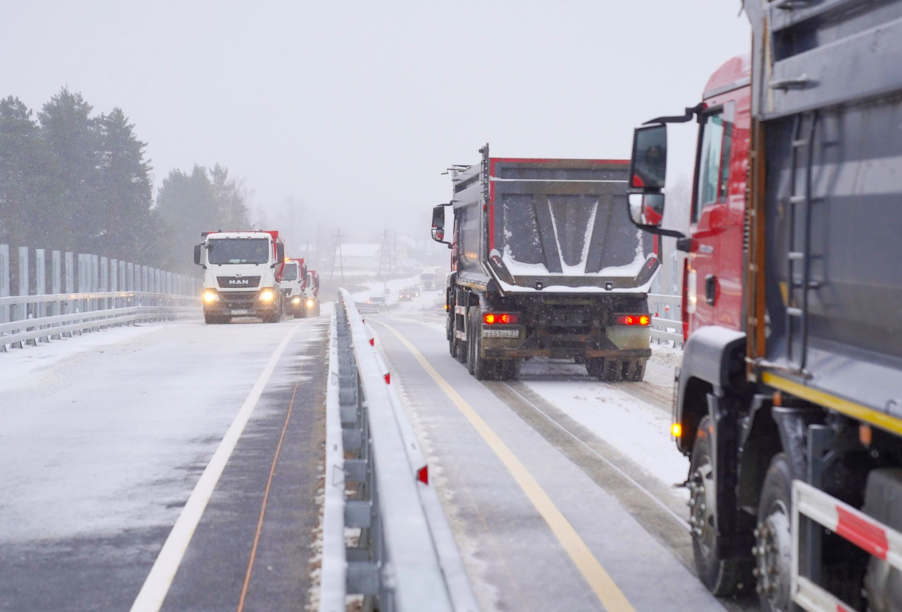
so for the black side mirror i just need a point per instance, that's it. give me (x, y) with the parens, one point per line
(438, 223)
(648, 167)
(198, 255)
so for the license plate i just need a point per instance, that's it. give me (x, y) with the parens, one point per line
(240, 312)
(500, 333)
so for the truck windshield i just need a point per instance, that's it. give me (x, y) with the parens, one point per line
(238, 251)
(291, 272)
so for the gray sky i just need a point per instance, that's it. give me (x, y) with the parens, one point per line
(357, 107)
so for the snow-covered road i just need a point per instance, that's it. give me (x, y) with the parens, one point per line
(559, 488)
(601, 453)
(104, 436)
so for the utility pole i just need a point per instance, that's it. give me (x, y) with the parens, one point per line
(337, 249)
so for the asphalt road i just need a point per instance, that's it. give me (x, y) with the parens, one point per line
(518, 552)
(104, 438)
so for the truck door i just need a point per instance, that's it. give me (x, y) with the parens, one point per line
(710, 215)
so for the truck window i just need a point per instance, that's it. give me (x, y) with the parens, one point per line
(238, 251)
(714, 161)
(291, 272)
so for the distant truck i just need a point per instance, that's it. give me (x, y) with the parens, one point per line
(294, 279)
(311, 294)
(242, 274)
(545, 263)
(429, 279)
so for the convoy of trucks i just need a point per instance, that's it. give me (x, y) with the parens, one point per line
(788, 400)
(242, 275)
(545, 263)
(789, 397)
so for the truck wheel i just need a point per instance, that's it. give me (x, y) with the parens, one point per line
(722, 576)
(211, 319)
(479, 367)
(635, 370)
(613, 370)
(773, 538)
(595, 366)
(509, 369)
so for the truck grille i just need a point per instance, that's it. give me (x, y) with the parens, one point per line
(238, 299)
(228, 282)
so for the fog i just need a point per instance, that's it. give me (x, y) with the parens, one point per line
(356, 108)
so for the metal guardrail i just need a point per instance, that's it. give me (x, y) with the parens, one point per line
(401, 555)
(661, 326)
(88, 311)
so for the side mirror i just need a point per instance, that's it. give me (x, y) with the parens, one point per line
(647, 209)
(438, 223)
(198, 255)
(648, 168)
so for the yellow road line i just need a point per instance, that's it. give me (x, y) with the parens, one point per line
(611, 597)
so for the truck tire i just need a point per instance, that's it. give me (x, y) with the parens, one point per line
(635, 370)
(595, 366)
(722, 577)
(773, 538)
(509, 369)
(480, 368)
(215, 319)
(612, 370)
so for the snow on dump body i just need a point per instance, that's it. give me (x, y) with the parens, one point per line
(564, 223)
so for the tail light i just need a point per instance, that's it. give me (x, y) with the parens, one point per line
(496, 318)
(638, 319)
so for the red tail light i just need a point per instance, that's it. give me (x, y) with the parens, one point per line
(503, 318)
(643, 320)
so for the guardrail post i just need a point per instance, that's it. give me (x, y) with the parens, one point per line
(4, 283)
(56, 285)
(70, 285)
(95, 283)
(40, 286)
(22, 309)
(104, 282)
(114, 283)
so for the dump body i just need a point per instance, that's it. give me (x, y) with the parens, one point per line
(546, 264)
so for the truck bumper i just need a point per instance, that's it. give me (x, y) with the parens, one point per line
(615, 342)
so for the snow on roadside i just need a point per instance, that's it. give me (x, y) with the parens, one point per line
(16, 365)
(636, 428)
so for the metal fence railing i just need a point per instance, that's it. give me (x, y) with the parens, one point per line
(109, 292)
(385, 535)
(666, 321)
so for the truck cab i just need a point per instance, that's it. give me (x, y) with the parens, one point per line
(242, 275)
(293, 283)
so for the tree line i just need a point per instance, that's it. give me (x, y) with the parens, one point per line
(73, 180)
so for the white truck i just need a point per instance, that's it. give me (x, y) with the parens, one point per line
(429, 279)
(294, 284)
(242, 275)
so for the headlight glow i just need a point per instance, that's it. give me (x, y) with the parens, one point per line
(296, 301)
(267, 295)
(210, 296)
(309, 303)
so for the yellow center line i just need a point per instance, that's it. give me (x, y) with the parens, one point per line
(611, 597)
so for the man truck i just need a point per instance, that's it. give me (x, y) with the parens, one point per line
(545, 263)
(294, 279)
(789, 398)
(242, 273)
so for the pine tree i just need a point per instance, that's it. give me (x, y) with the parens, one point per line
(73, 143)
(22, 216)
(186, 205)
(125, 191)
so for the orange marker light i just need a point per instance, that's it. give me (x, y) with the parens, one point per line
(644, 320)
(489, 318)
(676, 430)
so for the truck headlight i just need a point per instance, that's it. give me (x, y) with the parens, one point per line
(210, 296)
(310, 303)
(267, 295)
(296, 301)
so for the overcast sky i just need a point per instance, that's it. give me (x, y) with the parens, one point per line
(357, 107)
